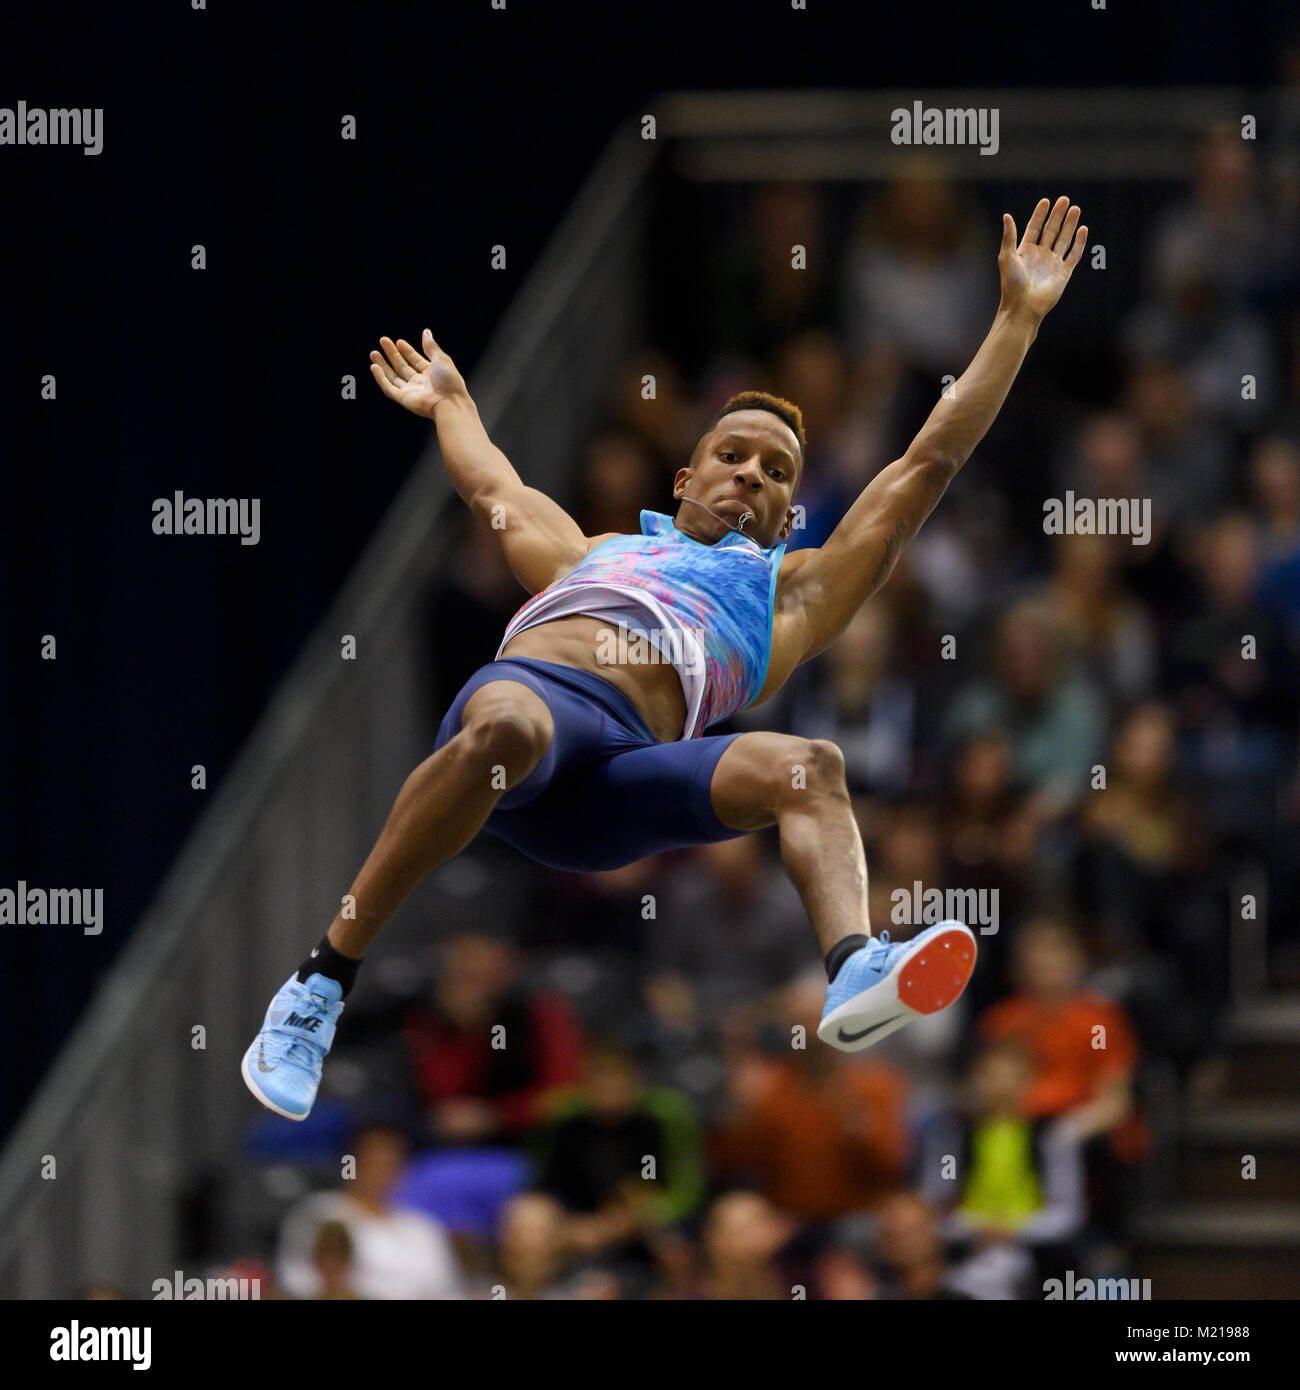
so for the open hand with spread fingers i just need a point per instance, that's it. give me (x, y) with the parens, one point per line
(414, 380)
(1035, 273)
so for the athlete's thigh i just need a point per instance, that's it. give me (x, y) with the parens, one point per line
(653, 798)
(608, 811)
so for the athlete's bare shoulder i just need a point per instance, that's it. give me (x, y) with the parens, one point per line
(594, 541)
(589, 544)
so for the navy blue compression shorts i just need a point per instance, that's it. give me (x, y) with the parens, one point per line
(606, 793)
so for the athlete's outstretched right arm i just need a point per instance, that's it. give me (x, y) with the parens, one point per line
(825, 587)
(542, 542)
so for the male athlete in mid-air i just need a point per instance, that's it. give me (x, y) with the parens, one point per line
(584, 755)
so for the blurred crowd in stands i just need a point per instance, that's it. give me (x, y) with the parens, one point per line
(609, 1086)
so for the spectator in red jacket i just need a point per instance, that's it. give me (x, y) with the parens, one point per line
(486, 1048)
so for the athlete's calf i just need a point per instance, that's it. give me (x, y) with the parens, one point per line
(876, 986)
(797, 784)
(505, 731)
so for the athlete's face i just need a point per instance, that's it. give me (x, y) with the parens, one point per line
(748, 462)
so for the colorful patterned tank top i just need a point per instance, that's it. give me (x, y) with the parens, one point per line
(706, 608)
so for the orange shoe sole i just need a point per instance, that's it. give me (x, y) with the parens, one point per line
(936, 976)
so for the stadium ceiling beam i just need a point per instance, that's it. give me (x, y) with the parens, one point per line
(832, 136)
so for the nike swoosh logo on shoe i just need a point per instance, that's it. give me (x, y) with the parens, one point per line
(261, 1060)
(855, 1037)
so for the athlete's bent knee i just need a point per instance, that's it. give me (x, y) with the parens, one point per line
(777, 771)
(511, 732)
(823, 765)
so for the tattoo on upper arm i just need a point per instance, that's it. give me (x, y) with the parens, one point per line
(893, 543)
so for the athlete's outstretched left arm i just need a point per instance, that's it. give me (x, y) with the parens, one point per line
(826, 587)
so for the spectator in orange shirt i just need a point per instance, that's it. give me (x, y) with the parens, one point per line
(1083, 1047)
(819, 1133)
(1083, 1044)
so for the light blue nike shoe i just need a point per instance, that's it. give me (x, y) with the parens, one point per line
(884, 985)
(282, 1067)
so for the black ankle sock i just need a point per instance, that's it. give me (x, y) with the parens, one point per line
(325, 960)
(841, 951)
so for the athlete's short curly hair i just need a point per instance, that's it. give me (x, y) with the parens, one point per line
(774, 405)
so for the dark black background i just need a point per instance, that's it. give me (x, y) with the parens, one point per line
(222, 127)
